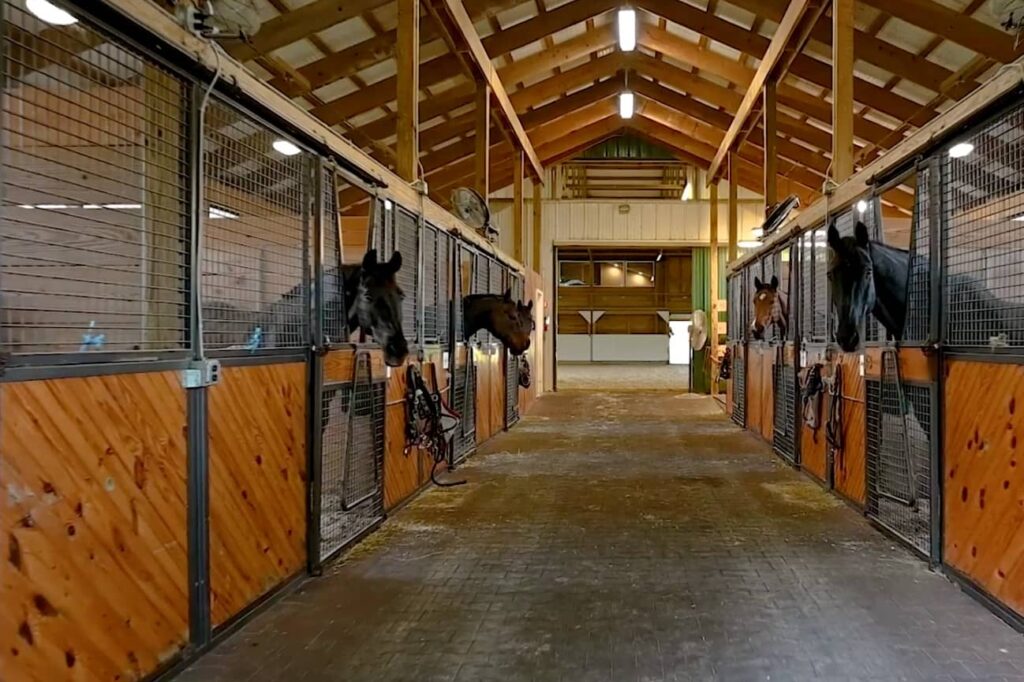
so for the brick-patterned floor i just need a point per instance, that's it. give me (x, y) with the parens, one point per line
(624, 537)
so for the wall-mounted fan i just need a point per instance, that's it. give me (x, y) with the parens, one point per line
(1009, 14)
(698, 330)
(220, 18)
(472, 210)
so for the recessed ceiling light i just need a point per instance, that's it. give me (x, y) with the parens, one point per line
(50, 13)
(285, 147)
(960, 150)
(627, 30)
(626, 105)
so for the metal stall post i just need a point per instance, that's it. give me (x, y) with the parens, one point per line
(317, 302)
(936, 340)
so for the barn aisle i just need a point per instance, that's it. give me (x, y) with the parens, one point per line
(623, 537)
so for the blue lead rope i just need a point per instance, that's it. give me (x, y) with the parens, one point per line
(255, 341)
(91, 341)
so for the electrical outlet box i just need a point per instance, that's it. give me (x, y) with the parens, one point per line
(445, 360)
(201, 373)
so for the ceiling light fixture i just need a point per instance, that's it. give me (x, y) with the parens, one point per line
(627, 30)
(285, 147)
(960, 150)
(862, 207)
(626, 104)
(748, 244)
(50, 13)
(217, 213)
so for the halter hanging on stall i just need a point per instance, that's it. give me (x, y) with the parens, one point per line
(429, 423)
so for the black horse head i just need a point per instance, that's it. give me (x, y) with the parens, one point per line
(374, 303)
(510, 321)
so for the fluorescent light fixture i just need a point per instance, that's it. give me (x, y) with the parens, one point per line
(52, 207)
(627, 31)
(748, 244)
(285, 147)
(626, 105)
(217, 213)
(25, 206)
(122, 207)
(91, 207)
(1019, 219)
(862, 207)
(960, 150)
(50, 13)
(387, 204)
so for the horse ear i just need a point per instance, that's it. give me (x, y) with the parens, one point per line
(774, 283)
(508, 295)
(529, 306)
(395, 264)
(757, 283)
(861, 233)
(370, 259)
(834, 240)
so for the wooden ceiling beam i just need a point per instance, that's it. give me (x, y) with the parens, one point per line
(785, 32)
(481, 62)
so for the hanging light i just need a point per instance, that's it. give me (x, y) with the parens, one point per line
(862, 207)
(50, 13)
(627, 30)
(626, 104)
(285, 147)
(960, 150)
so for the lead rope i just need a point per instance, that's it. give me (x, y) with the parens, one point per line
(834, 425)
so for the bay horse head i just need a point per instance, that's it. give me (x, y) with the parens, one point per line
(769, 308)
(510, 321)
(851, 283)
(374, 303)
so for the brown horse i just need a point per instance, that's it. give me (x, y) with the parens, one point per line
(770, 307)
(510, 321)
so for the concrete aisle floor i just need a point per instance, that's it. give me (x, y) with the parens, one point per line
(628, 376)
(624, 537)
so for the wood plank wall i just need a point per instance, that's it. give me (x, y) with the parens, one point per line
(754, 388)
(848, 464)
(95, 574)
(257, 419)
(983, 491)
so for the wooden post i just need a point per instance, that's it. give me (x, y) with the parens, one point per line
(407, 78)
(517, 205)
(842, 89)
(537, 210)
(771, 156)
(734, 209)
(713, 308)
(483, 139)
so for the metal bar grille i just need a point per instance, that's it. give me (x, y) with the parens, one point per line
(432, 270)
(739, 390)
(96, 198)
(465, 404)
(754, 270)
(511, 389)
(254, 222)
(917, 327)
(808, 294)
(770, 267)
(899, 455)
(463, 285)
(444, 285)
(335, 322)
(407, 242)
(819, 329)
(784, 432)
(787, 270)
(482, 285)
(983, 208)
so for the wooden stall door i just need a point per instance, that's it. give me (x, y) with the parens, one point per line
(755, 387)
(257, 419)
(984, 476)
(95, 578)
(767, 398)
(496, 360)
(848, 465)
(483, 394)
(401, 468)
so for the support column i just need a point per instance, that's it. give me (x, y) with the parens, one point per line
(537, 211)
(482, 161)
(517, 204)
(771, 156)
(842, 89)
(734, 209)
(407, 58)
(713, 307)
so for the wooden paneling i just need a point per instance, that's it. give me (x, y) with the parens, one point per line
(95, 574)
(916, 364)
(767, 399)
(813, 458)
(754, 388)
(984, 476)
(401, 469)
(355, 237)
(257, 418)
(483, 395)
(339, 365)
(848, 464)
(497, 396)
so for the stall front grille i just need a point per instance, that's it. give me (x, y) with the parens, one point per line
(899, 455)
(511, 389)
(739, 398)
(444, 286)
(917, 327)
(352, 457)
(732, 319)
(984, 265)
(407, 242)
(819, 329)
(463, 286)
(333, 286)
(254, 236)
(482, 285)
(465, 405)
(431, 273)
(771, 267)
(96, 193)
(784, 432)
(808, 295)
(750, 273)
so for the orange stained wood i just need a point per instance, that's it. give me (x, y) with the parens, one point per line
(984, 476)
(848, 463)
(95, 574)
(401, 469)
(339, 365)
(767, 399)
(754, 388)
(257, 418)
(483, 392)
(916, 364)
(497, 396)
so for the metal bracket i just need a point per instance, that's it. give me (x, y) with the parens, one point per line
(201, 373)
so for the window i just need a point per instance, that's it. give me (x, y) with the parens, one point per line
(609, 274)
(574, 274)
(640, 274)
